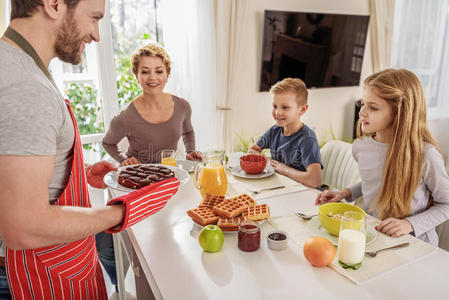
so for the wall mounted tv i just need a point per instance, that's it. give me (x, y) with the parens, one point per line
(324, 50)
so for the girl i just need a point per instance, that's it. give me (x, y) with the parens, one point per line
(403, 179)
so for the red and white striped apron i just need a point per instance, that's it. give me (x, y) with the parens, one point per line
(64, 271)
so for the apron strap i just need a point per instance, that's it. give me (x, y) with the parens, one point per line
(26, 46)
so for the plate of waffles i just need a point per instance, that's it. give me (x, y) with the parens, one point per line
(237, 171)
(228, 213)
(133, 177)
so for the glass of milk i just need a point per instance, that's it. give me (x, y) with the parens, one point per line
(352, 240)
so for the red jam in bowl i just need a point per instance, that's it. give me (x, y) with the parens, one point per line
(249, 236)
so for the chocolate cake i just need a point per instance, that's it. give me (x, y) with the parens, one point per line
(138, 176)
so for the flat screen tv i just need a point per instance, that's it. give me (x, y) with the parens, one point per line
(324, 50)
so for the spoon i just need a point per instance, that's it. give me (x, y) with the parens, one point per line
(374, 253)
(305, 217)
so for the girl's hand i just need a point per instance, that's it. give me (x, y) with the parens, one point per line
(194, 155)
(130, 161)
(330, 196)
(279, 167)
(395, 227)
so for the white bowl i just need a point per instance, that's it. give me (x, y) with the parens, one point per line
(277, 240)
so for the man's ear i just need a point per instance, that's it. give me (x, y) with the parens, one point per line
(53, 8)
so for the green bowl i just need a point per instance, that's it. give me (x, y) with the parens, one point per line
(333, 225)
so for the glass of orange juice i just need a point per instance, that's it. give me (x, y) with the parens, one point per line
(168, 157)
(210, 176)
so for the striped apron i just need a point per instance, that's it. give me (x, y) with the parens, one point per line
(64, 271)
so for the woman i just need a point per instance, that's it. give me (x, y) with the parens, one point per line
(154, 120)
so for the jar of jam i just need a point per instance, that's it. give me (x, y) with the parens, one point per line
(249, 236)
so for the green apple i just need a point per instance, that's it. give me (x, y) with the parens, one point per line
(211, 238)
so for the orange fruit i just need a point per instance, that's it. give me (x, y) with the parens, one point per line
(319, 251)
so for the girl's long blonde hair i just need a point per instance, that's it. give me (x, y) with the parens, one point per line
(405, 156)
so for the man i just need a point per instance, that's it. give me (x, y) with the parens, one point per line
(46, 221)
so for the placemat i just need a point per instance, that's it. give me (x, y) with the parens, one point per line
(239, 186)
(371, 266)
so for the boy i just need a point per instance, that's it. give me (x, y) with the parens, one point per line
(294, 148)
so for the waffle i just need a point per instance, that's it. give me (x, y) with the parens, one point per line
(228, 224)
(138, 176)
(258, 212)
(203, 216)
(245, 199)
(229, 209)
(210, 201)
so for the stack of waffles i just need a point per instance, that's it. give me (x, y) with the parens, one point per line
(227, 213)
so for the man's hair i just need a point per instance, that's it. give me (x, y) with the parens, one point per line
(291, 85)
(26, 8)
(154, 50)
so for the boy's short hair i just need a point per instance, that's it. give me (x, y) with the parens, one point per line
(291, 85)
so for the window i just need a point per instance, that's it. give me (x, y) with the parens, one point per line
(421, 44)
(95, 95)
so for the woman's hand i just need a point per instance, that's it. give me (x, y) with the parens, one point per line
(130, 161)
(395, 227)
(331, 196)
(194, 155)
(97, 171)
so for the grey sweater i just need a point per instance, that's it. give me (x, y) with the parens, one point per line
(370, 156)
(146, 140)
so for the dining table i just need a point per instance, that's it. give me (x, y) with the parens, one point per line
(168, 262)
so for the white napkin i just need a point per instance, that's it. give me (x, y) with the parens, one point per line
(239, 186)
(371, 266)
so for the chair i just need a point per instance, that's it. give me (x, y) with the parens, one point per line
(340, 169)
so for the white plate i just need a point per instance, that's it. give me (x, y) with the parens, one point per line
(315, 228)
(111, 179)
(186, 165)
(237, 171)
(199, 227)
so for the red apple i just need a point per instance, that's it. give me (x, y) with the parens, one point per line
(211, 238)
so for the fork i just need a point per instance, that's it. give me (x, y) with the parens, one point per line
(257, 191)
(374, 253)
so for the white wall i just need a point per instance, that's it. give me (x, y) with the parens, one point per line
(327, 106)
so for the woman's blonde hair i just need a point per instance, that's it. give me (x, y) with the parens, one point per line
(291, 85)
(152, 49)
(405, 156)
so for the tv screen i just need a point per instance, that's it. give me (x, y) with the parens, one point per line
(324, 50)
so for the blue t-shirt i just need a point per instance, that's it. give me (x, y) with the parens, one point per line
(298, 150)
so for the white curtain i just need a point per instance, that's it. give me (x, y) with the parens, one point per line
(381, 32)
(229, 24)
(4, 15)
(189, 38)
(421, 44)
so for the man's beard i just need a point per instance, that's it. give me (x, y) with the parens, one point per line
(69, 42)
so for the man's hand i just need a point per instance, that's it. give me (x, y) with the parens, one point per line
(395, 227)
(194, 155)
(96, 172)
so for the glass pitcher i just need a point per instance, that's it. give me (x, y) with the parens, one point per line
(210, 176)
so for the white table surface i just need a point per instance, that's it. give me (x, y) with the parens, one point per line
(177, 268)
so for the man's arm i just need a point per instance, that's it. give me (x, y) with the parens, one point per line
(28, 221)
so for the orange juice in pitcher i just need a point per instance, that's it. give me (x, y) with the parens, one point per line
(210, 176)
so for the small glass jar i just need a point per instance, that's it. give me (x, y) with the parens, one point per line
(249, 236)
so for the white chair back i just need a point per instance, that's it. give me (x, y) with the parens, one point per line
(340, 169)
